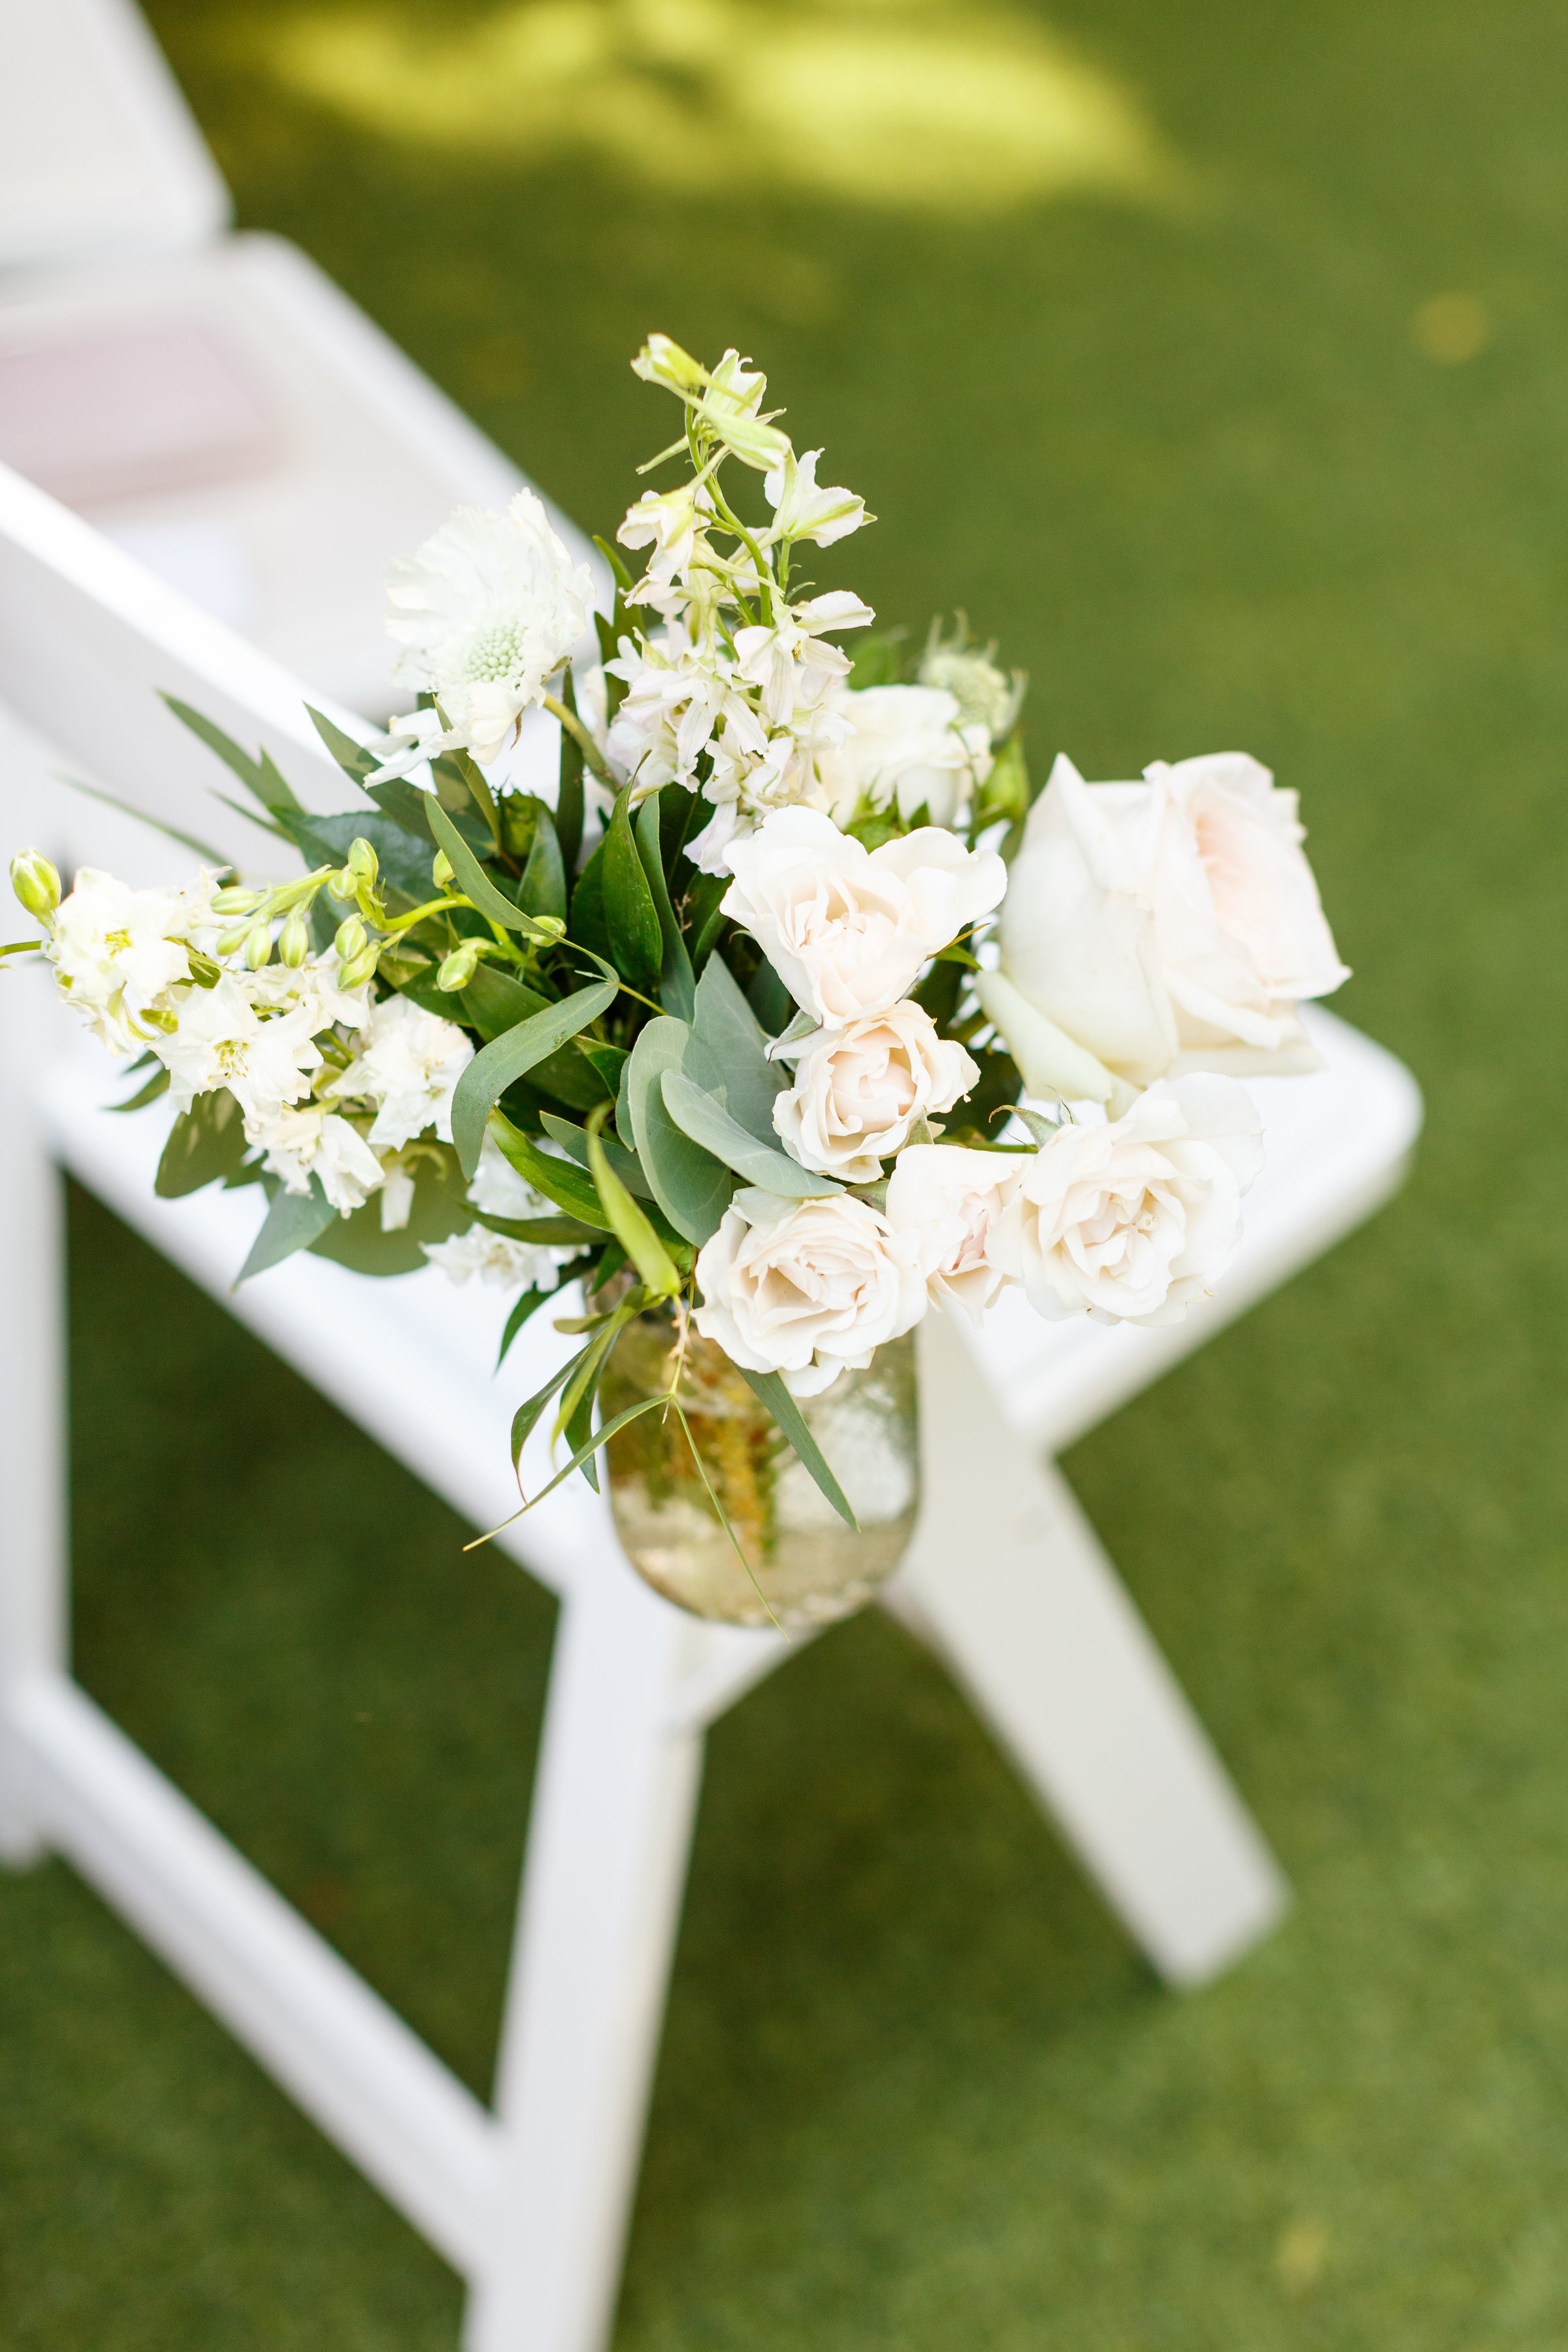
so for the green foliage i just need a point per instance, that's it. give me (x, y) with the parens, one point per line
(569, 791)
(631, 917)
(691, 1186)
(292, 1221)
(569, 1187)
(726, 1026)
(770, 1387)
(574, 1140)
(627, 1223)
(676, 985)
(511, 1056)
(205, 1142)
(701, 1117)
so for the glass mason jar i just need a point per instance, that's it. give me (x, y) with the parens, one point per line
(806, 1566)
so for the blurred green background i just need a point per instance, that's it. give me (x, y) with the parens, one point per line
(1215, 359)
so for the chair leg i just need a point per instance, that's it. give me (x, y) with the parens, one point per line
(32, 1595)
(613, 1814)
(1007, 1580)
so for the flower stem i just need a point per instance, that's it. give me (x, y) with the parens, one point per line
(575, 728)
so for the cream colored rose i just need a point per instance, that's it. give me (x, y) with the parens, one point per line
(908, 750)
(1171, 925)
(858, 1090)
(809, 1288)
(1131, 1223)
(951, 1200)
(847, 928)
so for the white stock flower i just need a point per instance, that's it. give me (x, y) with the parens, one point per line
(672, 523)
(495, 1258)
(1135, 1221)
(314, 1141)
(791, 664)
(116, 953)
(675, 698)
(909, 748)
(951, 1200)
(809, 1288)
(847, 928)
(801, 511)
(858, 1090)
(484, 613)
(408, 1062)
(314, 986)
(222, 1041)
(1172, 924)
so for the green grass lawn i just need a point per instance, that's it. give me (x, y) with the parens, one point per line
(1193, 448)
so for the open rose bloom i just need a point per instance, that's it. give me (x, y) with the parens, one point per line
(792, 1010)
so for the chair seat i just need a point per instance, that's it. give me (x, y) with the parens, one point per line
(318, 454)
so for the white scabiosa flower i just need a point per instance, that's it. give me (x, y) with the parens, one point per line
(1134, 1222)
(987, 697)
(485, 614)
(408, 1062)
(809, 1288)
(858, 1090)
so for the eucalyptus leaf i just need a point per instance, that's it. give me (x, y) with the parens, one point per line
(574, 1142)
(601, 1436)
(471, 876)
(260, 776)
(691, 1186)
(158, 1083)
(629, 1225)
(728, 1027)
(558, 1180)
(771, 1389)
(205, 1142)
(543, 891)
(529, 1303)
(704, 1118)
(355, 760)
(494, 1002)
(510, 1057)
(589, 927)
(569, 787)
(292, 1221)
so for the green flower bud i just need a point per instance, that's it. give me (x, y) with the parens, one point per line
(551, 925)
(232, 941)
(662, 362)
(351, 939)
(361, 862)
(237, 901)
(258, 946)
(457, 969)
(360, 967)
(294, 941)
(441, 870)
(36, 883)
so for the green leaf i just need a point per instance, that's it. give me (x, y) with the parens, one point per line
(616, 562)
(170, 832)
(704, 1118)
(402, 804)
(543, 891)
(260, 776)
(705, 915)
(354, 759)
(769, 1387)
(359, 1243)
(559, 1181)
(510, 1057)
(494, 1002)
(601, 1436)
(551, 1232)
(205, 1142)
(526, 1419)
(569, 791)
(689, 1184)
(158, 1083)
(769, 999)
(631, 917)
(628, 1224)
(589, 928)
(676, 986)
(404, 864)
(729, 1028)
(574, 1140)
(292, 1222)
(471, 875)
(530, 1303)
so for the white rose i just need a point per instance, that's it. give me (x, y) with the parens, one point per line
(951, 1200)
(1130, 1223)
(1171, 925)
(858, 1090)
(809, 1288)
(907, 748)
(847, 928)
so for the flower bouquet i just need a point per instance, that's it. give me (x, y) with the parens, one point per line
(796, 1010)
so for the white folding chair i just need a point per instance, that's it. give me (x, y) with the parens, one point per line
(213, 402)
(1005, 1576)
